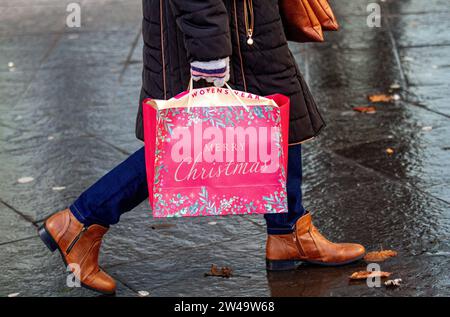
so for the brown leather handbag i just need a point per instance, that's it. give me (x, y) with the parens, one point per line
(305, 20)
(325, 15)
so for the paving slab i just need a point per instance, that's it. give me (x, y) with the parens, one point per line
(420, 153)
(415, 29)
(13, 226)
(96, 48)
(352, 69)
(12, 87)
(351, 8)
(122, 15)
(140, 236)
(69, 156)
(19, 53)
(425, 67)
(39, 19)
(433, 97)
(417, 6)
(182, 273)
(28, 268)
(358, 204)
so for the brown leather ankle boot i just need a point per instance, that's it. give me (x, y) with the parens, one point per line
(78, 245)
(306, 244)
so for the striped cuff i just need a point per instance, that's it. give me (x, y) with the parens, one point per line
(216, 71)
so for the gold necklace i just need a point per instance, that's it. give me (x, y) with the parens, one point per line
(248, 6)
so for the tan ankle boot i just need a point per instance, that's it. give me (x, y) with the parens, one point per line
(306, 244)
(78, 245)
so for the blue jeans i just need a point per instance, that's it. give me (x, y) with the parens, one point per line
(125, 187)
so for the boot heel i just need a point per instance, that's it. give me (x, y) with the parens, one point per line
(47, 239)
(281, 265)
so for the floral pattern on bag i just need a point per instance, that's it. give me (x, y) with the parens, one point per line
(188, 200)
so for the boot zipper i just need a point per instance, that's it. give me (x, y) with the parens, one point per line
(72, 244)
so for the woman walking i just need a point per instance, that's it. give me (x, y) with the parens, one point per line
(239, 41)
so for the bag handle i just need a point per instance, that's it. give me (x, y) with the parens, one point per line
(190, 88)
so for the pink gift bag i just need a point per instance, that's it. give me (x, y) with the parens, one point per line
(216, 151)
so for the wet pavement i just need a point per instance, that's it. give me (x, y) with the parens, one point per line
(68, 106)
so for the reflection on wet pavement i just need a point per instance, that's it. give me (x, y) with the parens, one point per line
(68, 107)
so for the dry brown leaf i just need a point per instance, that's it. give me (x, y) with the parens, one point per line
(162, 226)
(369, 109)
(395, 86)
(379, 256)
(390, 151)
(381, 98)
(362, 275)
(222, 272)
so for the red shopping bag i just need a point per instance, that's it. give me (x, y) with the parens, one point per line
(216, 151)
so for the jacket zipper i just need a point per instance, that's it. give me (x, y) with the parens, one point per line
(162, 47)
(239, 45)
(72, 244)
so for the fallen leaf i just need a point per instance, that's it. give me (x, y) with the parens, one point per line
(393, 283)
(347, 113)
(390, 151)
(379, 256)
(143, 293)
(362, 275)
(24, 180)
(162, 226)
(222, 272)
(73, 36)
(369, 109)
(380, 98)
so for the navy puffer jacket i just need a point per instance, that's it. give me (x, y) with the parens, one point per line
(177, 32)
